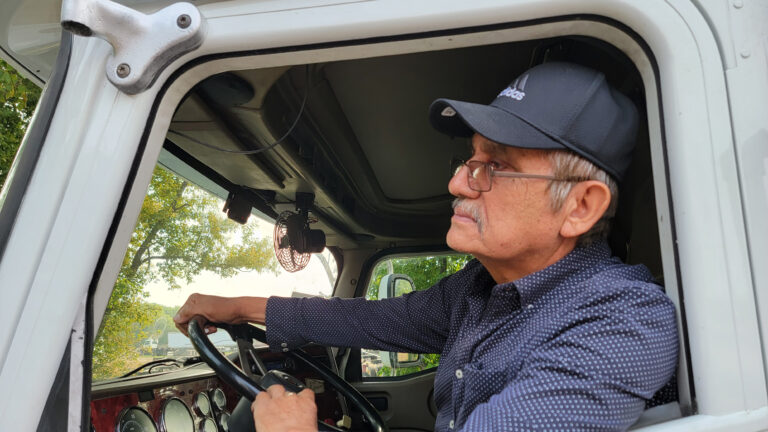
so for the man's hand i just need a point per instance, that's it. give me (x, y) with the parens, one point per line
(277, 410)
(230, 310)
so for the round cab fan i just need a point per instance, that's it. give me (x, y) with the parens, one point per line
(294, 241)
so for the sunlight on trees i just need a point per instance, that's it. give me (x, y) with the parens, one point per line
(181, 232)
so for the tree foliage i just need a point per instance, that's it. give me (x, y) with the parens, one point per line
(18, 98)
(181, 232)
(425, 271)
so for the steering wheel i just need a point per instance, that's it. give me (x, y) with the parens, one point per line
(232, 375)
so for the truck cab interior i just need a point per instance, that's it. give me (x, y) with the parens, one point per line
(348, 143)
(250, 127)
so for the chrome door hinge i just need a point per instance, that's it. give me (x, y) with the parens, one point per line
(143, 44)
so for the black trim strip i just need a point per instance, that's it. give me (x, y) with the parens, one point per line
(23, 66)
(692, 409)
(89, 334)
(395, 38)
(29, 153)
(258, 202)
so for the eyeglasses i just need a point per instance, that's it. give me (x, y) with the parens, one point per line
(480, 174)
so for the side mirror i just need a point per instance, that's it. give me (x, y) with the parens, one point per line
(391, 286)
(403, 360)
(395, 285)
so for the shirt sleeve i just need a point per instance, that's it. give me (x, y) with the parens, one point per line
(615, 350)
(415, 322)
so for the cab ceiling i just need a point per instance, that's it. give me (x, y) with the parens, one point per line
(362, 142)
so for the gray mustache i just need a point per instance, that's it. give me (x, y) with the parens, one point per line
(470, 209)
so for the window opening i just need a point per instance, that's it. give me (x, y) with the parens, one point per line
(184, 243)
(404, 275)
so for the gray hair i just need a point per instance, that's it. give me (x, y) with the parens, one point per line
(566, 164)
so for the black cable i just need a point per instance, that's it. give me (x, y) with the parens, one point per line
(154, 362)
(149, 370)
(269, 147)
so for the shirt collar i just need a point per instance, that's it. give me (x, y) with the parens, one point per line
(535, 285)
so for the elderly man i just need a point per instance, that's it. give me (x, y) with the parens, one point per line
(544, 330)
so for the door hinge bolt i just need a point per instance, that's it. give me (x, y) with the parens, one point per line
(123, 70)
(183, 21)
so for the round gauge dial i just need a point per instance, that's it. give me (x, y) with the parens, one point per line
(135, 419)
(175, 417)
(202, 404)
(208, 425)
(219, 400)
(224, 422)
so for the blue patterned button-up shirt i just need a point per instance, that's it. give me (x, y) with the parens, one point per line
(580, 345)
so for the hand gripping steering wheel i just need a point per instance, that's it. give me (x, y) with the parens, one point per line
(232, 375)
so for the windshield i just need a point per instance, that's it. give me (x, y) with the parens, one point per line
(183, 244)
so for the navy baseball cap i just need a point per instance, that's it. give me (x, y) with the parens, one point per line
(552, 106)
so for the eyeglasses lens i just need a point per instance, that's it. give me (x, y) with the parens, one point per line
(480, 176)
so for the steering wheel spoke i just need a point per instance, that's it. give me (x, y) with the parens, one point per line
(246, 383)
(226, 370)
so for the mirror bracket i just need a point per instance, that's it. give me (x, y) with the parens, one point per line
(143, 44)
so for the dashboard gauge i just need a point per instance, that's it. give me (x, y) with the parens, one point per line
(135, 419)
(202, 404)
(175, 417)
(224, 422)
(208, 425)
(219, 400)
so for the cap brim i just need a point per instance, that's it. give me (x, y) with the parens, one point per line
(493, 123)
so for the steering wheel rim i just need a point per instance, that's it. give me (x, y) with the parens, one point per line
(223, 367)
(244, 385)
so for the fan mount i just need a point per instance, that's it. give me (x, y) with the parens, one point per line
(294, 241)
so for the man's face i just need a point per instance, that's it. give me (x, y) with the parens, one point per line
(511, 223)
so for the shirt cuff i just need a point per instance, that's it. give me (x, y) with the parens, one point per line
(282, 314)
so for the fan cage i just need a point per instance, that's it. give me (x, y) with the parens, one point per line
(291, 260)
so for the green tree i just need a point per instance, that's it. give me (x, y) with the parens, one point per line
(18, 98)
(181, 232)
(425, 271)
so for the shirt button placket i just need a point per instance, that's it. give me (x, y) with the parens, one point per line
(459, 375)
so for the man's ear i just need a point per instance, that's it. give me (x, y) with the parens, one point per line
(584, 206)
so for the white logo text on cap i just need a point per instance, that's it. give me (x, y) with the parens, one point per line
(516, 90)
(512, 93)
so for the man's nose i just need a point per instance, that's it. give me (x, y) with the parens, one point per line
(459, 185)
